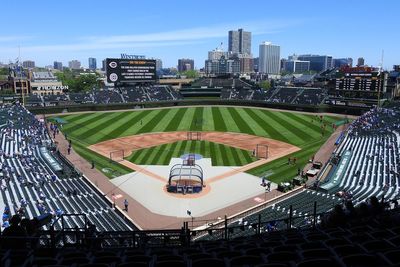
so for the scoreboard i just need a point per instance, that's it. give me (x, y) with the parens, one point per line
(130, 70)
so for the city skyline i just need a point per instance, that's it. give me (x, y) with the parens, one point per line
(346, 29)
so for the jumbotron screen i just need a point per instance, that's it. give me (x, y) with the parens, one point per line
(130, 70)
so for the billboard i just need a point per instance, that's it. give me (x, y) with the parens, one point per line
(130, 70)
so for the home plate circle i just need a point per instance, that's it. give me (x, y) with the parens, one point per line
(259, 200)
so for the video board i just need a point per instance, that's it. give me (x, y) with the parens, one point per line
(130, 70)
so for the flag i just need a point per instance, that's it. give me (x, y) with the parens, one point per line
(189, 212)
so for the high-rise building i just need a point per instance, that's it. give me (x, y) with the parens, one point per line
(158, 64)
(297, 66)
(269, 58)
(58, 65)
(103, 65)
(92, 63)
(29, 64)
(74, 64)
(340, 62)
(185, 64)
(239, 42)
(318, 62)
(246, 63)
(217, 54)
(360, 62)
(222, 66)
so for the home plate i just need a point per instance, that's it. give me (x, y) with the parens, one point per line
(259, 200)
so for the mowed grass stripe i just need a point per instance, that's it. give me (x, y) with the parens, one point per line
(132, 121)
(310, 133)
(224, 155)
(157, 156)
(213, 154)
(74, 117)
(229, 156)
(162, 125)
(305, 120)
(246, 156)
(174, 123)
(230, 123)
(242, 124)
(97, 133)
(134, 156)
(92, 124)
(297, 131)
(278, 125)
(197, 119)
(186, 120)
(271, 131)
(107, 131)
(170, 151)
(302, 124)
(149, 126)
(208, 120)
(145, 156)
(203, 145)
(73, 124)
(219, 122)
(257, 129)
(74, 127)
(235, 158)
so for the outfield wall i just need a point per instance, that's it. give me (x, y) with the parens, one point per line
(197, 102)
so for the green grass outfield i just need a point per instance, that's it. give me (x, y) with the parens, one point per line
(298, 129)
(161, 155)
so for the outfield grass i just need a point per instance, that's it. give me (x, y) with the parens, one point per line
(161, 155)
(301, 130)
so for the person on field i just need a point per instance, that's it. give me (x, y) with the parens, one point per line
(126, 204)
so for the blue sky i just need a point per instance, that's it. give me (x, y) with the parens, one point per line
(77, 29)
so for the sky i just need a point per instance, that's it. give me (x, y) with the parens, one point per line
(46, 31)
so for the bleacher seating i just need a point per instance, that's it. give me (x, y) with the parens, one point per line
(367, 240)
(106, 96)
(289, 95)
(81, 98)
(222, 83)
(372, 148)
(31, 187)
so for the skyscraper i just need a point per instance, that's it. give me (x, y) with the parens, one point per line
(74, 64)
(360, 62)
(29, 64)
(239, 42)
(318, 62)
(58, 65)
(92, 63)
(269, 58)
(185, 64)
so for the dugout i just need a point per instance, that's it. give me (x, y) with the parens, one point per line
(185, 179)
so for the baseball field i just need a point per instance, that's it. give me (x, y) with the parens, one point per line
(305, 131)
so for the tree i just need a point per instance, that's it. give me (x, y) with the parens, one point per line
(190, 74)
(266, 85)
(78, 82)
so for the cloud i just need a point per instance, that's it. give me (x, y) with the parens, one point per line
(13, 38)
